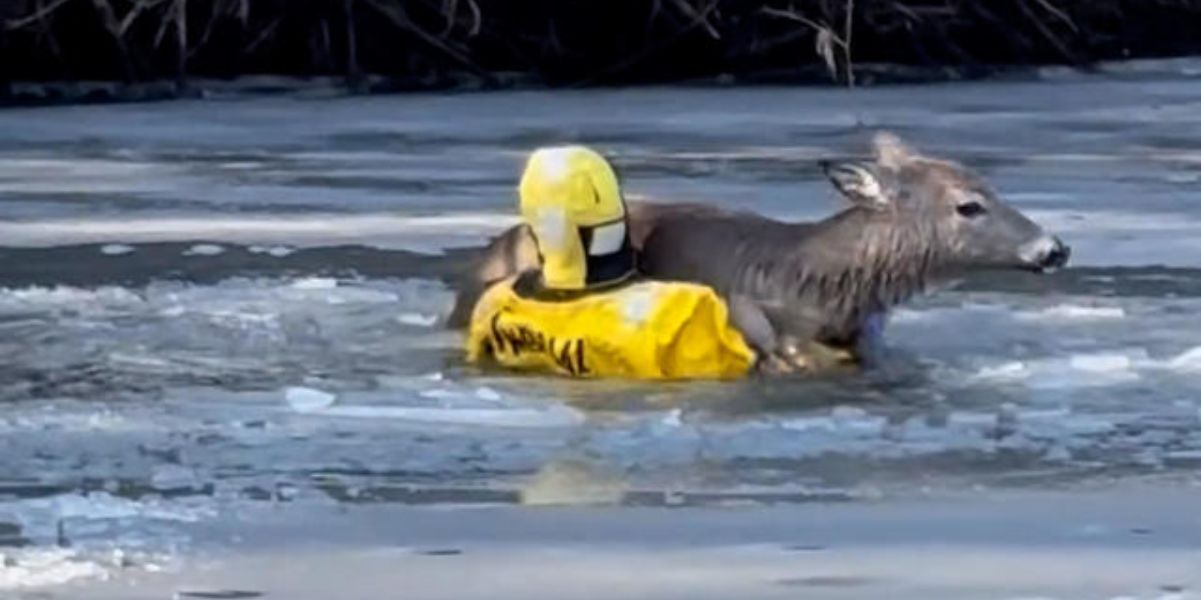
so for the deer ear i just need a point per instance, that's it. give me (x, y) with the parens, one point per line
(890, 151)
(857, 181)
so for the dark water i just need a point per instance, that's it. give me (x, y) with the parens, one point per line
(206, 305)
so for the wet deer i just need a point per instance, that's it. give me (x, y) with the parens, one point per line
(807, 295)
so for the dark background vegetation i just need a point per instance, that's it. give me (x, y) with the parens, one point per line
(420, 44)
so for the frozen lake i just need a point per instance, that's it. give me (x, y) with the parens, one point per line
(212, 307)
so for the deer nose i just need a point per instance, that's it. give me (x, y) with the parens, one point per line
(1046, 252)
(1058, 256)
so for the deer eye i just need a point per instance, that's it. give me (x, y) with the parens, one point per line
(970, 209)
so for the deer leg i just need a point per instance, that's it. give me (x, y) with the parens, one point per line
(752, 322)
(776, 354)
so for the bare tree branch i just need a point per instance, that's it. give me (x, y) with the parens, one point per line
(848, 29)
(792, 15)
(477, 19)
(114, 28)
(36, 16)
(700, 17)
(1062, 16)
(181, 42)
(826, 39)
(450, 12)
(400, 18)
(352, 44)
(1063, 48)
(263, 36)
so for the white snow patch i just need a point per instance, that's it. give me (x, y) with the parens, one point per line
(276, 251)
(1188, 455)
(46, 567)
(308, 400)
(315, 283)
(116, 249)
(1009, 371)
(846, 413)
(70, 297)
(173, 311)
(1182, 178)
(1075, 371)
(1189, 360)
(204, 250)
(1074, 312)
(488, 394)
(1101, 363)
(62, 421)
(385, 231)
(551, 417)
(417, 319)
(673, 418)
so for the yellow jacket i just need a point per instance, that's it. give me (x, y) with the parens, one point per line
(643, 330)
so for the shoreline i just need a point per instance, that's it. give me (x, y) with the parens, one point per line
(432, 45)
(29, 94)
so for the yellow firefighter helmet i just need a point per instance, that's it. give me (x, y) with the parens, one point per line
(571, 200)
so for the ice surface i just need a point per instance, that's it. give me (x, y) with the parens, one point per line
(304, 380)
